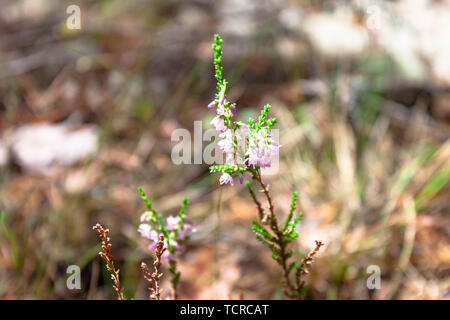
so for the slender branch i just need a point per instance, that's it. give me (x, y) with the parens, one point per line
(272, 220)
(175, 278)
(105, 254)
(153, 279)
(306, 262)
(255, 200)
(292, 289)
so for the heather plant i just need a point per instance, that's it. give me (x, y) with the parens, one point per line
(175, 230)
(167, 237)
(249, 147)
(153, 278)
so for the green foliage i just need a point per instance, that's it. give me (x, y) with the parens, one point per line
(270, 122)
(175, 274)
(148, 204)
(289, 232)
(183, 209)
(217, 48)
(437, 181)
(261, 231)
(228, 168)
(278, 243)
(291, 211)
(251, 123)
(248, 186)
(263, 116)
(11, 238)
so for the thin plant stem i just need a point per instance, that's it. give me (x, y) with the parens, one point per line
(105, 254)
(153, 278)
(271, 219)
(293, 289)
(217, 237)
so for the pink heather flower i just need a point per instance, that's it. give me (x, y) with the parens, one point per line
(241, 178)
(188, 226)
(212, 104)
(226, 145)
(152, 246)
(274, 147)
(261, 148)
(218, 123)
(230, 158)
(167, 255)
(233, 109)
(145, 230)
(222, 96)
(220, 110)
(226, 178)
(243, 128)
(182, 234)
(145, 216)
(176, 245)
(186, 231)
(172, 223)
(253, 158)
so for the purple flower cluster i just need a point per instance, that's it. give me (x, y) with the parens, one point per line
(178, 230)
(254, 145)
(261, 147)
(224, 110)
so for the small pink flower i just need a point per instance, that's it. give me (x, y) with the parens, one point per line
(222, 97)
(145, 216)
(243, 128)
(186, 231)
(218, 123)
(176, 245)
(172, 223)
(167, 255)
(226, 178)
(145, 230)
(212, 104)
(230, 158)
(233, 109)
(226, 146)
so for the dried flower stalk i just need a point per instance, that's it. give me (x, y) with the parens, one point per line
(306, 262)
(105, 254)
(153, 279)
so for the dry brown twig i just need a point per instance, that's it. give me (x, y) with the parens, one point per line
(105, 254)
(306, 262)
(153, 279)
(240, 296)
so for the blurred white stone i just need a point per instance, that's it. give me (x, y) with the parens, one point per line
(416, 33)
(37, 148)
(237, 17)
(288, 48)
(336, 35)
(79, 180)
(291, 17)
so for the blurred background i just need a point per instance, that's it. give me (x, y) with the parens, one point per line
(361, 90)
